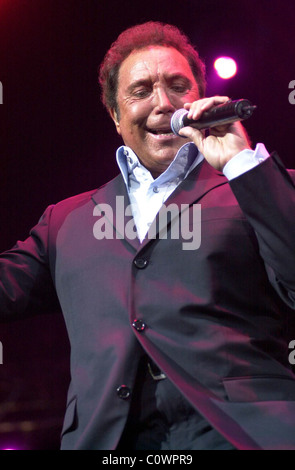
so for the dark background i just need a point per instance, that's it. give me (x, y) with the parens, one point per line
(56, 140)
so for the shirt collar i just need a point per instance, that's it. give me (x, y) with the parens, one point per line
(186, 159)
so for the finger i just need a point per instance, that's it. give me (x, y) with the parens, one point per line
(216, 98)
(194, 135)
(236, 130)
(196, 108)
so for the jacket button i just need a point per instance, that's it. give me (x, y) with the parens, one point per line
(139, 325)
(123, 392)
(141, 263)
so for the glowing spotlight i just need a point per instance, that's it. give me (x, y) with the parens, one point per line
(225, 67)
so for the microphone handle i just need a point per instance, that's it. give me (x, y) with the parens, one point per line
(224, 113)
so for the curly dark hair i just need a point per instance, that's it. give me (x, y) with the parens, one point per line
(152, 33)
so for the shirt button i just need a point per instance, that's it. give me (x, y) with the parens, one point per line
(156, 189)
(141, 263)
(139, 325)
(130, 160)
(123, 392)
(126, 152)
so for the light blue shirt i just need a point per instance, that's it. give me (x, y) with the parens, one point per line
(147, 194)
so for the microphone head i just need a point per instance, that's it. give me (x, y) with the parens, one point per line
(176, 122)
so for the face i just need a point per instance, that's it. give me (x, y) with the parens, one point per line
(153, 83)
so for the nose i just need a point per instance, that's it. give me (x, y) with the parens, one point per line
(162, 102)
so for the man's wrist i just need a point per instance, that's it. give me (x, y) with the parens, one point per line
(245, 161)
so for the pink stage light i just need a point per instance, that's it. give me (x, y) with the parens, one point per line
(10, 447)
(225, 67)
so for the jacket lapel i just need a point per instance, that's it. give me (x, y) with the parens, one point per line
(114, 195)
(199, 182)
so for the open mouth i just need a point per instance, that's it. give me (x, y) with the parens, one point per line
(161, 132)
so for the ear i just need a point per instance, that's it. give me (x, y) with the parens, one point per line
(115, 118)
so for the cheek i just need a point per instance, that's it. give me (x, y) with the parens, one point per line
(139, 112)
(136, 112)
(132, 124)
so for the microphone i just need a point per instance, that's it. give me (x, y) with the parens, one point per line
(224, 113)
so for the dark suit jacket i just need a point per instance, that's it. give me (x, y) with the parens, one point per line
(215, 319)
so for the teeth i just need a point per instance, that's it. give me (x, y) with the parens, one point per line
(161, 132)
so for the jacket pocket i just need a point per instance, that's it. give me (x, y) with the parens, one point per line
(70, 419)
(260, 388)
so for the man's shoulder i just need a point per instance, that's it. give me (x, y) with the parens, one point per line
(292, 173)
(81, 199)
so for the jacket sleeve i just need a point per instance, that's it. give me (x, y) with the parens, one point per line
(266, 194)
(26, 286)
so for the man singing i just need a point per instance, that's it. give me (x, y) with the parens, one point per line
(171, 348)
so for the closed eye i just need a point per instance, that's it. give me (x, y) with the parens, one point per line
(141, 93)
(179, 88)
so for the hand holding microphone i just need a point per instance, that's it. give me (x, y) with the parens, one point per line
(225, 113)
(222, 144)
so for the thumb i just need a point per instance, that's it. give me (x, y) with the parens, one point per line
(192, 134)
